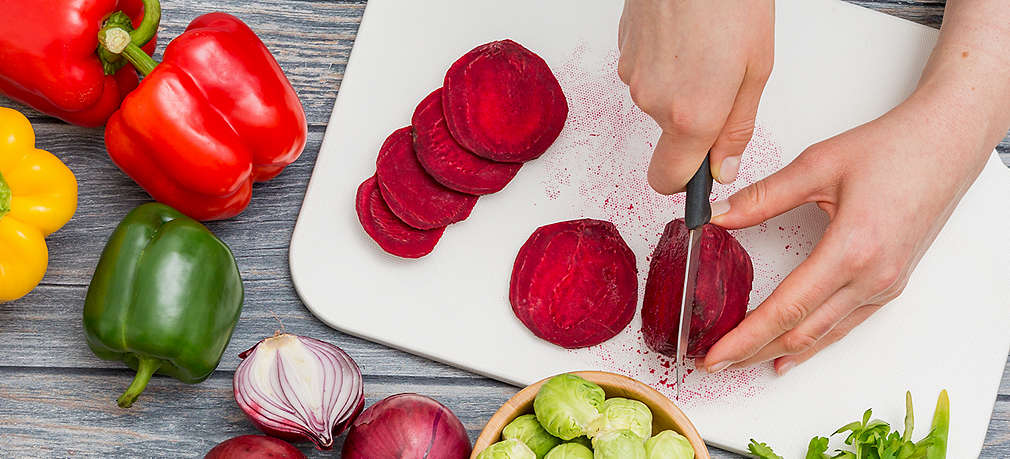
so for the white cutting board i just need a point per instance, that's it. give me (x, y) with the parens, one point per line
(837, 66)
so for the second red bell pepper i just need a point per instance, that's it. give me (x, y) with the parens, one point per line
(50, 57)
(216, 115)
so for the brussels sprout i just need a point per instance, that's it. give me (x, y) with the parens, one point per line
(526, 429)
(507, 449)
(566, 404)
(570, 451)
(618, 444)
(668, 445)
(622, 413)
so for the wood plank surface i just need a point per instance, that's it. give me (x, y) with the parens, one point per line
(57, 398)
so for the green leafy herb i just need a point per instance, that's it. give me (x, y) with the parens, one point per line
(873, 439)
(818, 448)
(762, 451)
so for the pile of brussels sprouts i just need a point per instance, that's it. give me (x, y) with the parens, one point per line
(573, 420)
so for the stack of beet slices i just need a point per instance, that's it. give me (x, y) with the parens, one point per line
(499, 107)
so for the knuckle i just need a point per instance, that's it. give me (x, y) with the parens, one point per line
(789, 315)
(796, 342)
(655, 105)
(887, 280)
(623, 72)
(862, 255)
(739, 132)
(755, 194)
(686, 120)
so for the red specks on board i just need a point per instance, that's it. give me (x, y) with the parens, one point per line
(598, 166)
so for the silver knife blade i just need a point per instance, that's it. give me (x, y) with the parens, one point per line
(687, 299)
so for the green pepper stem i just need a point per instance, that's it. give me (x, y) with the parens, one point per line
(5, 197)
(121, 26)
(149, 24)
(145, 369)
(140, 60)
(118, 41)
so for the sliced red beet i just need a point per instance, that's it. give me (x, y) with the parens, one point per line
(503, 103)
(448, 162)
(721, 290)
(575, 283)
(411, 193)
(392, 234)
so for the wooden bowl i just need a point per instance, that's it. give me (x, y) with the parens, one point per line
(665, 415)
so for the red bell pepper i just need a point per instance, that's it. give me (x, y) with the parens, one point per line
(214, 116)
(50, 59)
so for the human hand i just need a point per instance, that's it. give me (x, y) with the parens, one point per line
(888, 187)
(698, 68)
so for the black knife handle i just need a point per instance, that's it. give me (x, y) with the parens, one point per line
(698, 209)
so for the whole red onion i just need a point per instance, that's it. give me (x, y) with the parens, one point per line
(407, 426)
(254, 447)
(299, 388)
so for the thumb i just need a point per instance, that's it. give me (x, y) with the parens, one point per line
(778, 193)
(736, 133)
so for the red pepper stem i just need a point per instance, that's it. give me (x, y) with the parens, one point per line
(149, 24)
(145, 369)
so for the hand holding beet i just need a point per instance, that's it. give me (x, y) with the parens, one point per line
(888, 187)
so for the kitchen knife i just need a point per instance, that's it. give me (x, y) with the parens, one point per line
(697, 212)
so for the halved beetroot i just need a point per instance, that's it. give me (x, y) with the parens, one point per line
(411, 193)
(392, 234)
(448, 162)
(721, 291)
(575, 283)
(503, 103)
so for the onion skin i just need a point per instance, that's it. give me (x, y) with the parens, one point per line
(254, 447)
(407, 426)
(332, 397)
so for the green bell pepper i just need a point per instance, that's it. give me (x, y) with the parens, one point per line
(164, 299)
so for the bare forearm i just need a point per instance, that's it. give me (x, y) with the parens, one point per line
(968, 73)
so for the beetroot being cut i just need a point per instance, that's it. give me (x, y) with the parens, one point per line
(503, 103)
(449, 163)
(392, 234)
(575, 283)
(411, 193)
(721, 291)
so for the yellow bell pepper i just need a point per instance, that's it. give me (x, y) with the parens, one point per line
(38, 195)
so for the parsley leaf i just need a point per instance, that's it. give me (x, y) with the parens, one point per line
(873, 439)
(818, 448)
(762, 451)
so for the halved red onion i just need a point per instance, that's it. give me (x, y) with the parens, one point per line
(298, 388)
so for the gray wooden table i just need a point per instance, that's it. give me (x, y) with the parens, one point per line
(57, 399)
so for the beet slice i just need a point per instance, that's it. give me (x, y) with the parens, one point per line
(575, 283)
(503, 103)
(721, 290)
(448, 162)
(392, 234)
(411, 193)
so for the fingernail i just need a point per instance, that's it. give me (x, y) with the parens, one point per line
(719, 367)
(785, 367)
(719, 208)
(728, 169)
